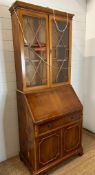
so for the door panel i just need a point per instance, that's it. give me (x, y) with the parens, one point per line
(36, 50)
(71, 137)
(49, 147)
(59, 46)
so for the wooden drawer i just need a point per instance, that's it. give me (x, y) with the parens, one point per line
(59, 122)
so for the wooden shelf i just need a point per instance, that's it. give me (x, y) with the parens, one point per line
(34, 61)
(37, 48)
(54, 59)
(59, 46)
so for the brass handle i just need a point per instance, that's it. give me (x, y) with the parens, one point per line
(49, 125)
(72, 117)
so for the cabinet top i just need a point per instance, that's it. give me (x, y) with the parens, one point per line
(54, 103)
(24, 5)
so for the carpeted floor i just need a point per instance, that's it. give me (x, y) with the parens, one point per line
(84, 165)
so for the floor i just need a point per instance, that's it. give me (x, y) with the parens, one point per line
(84, 165)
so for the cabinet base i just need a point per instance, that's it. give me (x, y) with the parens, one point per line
(44, 170)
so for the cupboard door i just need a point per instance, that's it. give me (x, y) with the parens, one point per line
(59, 46)
(71, 137)
(36, 59)
(49, 148)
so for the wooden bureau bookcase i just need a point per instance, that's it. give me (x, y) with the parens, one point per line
(49, 111)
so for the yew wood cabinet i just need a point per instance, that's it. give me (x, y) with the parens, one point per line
(49, 111)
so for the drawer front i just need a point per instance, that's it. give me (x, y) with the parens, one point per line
(59, 122)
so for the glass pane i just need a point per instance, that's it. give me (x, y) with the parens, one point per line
(60, 52)
(35, 51)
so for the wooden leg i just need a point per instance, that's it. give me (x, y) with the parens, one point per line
(80, 152)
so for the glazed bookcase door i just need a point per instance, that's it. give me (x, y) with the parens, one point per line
(35, 28)
(60, 51)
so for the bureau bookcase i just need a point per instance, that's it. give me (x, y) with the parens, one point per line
(49, 111)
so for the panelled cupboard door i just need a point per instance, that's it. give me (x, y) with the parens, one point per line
(49, 148)
(71, 137)
(60, 43)
(36, 50)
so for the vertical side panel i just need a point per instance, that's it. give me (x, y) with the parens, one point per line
(70, 50)
(17, 51)
(26, 132)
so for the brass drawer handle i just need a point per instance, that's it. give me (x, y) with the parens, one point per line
(49, 125)
(72, 118)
